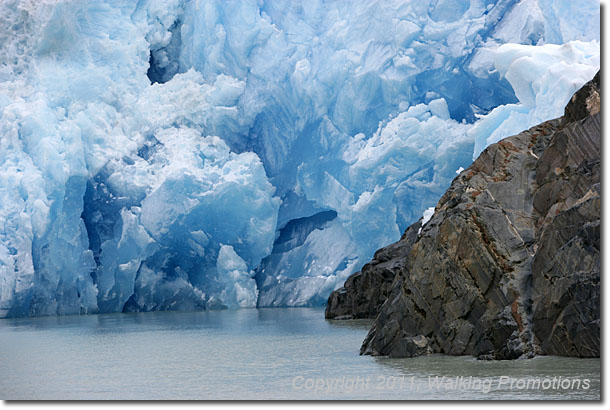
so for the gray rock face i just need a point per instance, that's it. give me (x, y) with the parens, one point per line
(364, 292)
(509, 264)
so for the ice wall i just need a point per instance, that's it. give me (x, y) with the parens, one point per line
(114, 195)
(204, 154)
(544, 79)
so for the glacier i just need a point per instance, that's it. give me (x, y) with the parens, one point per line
(181, 155)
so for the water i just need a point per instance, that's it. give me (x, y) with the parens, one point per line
(251, 354)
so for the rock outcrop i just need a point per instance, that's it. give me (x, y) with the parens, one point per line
(364, 292)
(509, 264)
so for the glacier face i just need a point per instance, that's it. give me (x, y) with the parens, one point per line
(174, 154)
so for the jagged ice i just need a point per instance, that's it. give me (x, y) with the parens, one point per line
(164, 155)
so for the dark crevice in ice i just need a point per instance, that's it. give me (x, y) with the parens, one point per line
(297, 230)
(164, 62)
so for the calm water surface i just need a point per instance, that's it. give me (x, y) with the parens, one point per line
(253, 354)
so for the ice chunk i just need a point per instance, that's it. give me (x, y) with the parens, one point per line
(439, 108)
(239, 287)
(305, 274)
(544, 79)
(426, 217)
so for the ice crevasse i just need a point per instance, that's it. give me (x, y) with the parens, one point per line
(177, 155)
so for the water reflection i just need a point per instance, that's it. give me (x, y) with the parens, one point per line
(360, 324)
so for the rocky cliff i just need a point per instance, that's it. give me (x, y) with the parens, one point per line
(509, 264)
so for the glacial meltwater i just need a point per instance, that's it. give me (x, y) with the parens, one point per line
(254, 354)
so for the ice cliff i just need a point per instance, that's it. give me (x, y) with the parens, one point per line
(171, 154)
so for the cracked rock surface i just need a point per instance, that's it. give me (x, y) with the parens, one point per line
(509, 264)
